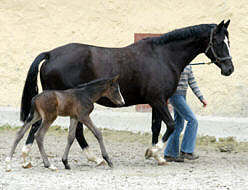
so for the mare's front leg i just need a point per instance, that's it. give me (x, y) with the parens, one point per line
(70, 139)
(160, 112)
(87, 121)
(39, 136)
(28, 145)
(156, 126)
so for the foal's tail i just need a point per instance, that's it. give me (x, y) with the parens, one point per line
(32, 109)
(31, 88)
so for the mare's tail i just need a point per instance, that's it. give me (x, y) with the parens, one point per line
(31, 88)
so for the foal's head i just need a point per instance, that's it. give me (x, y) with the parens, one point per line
(218, 48)
(113, 91)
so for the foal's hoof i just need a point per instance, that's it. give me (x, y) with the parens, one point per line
(8, 168)
(148, 153)
(8, 164)
(68, 167)
(110, 164)
(65, 162)
(27, 165)
(102, 163)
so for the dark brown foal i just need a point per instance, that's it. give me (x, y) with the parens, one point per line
(77, 103)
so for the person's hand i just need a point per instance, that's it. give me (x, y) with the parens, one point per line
(204, 102)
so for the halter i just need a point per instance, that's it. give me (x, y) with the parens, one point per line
(210, 46)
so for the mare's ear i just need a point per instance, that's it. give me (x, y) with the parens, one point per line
(227, 24)
(220, 26)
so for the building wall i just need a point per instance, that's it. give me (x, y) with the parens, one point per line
(29, 27)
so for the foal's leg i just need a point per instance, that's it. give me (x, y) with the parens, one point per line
(28, 145)
(87, 121)
(39, 136)
(85, 147)
(70, 139)
(19, 136)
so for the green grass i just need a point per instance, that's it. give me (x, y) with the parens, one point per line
(228, 144)
(8, 127)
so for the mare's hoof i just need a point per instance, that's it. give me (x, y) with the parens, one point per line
(53, 168)
(27, 165)
(148, 153)
(162, 163)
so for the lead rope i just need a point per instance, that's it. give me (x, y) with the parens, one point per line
(208, 63)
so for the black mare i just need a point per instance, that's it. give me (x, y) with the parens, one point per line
(149, 71)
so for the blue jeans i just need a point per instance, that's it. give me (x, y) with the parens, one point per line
(182, 112)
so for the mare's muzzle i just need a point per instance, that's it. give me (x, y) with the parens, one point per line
(226, 68)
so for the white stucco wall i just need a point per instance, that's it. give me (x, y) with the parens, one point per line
(29, 27)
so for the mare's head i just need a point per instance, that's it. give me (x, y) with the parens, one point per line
(218, 48)
(113, 91)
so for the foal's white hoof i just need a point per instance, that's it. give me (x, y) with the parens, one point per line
(8, 169)
(8, 164)
(53, 168)
(27, 165)
(101, 163)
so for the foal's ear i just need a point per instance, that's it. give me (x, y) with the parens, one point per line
(116, 78)
(227, 24)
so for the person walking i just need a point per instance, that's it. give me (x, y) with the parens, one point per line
(183, 112)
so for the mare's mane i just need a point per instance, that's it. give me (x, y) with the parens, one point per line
(181, 34)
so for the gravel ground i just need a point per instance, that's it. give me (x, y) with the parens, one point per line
(213, 170)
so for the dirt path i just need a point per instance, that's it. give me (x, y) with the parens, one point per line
(214, 169)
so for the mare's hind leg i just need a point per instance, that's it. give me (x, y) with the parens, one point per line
(28, 145)
(156, 125)
(39, 136)
(165, 115)
(19, 136)
(85, 147)
(87, 121)
(70, 139)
